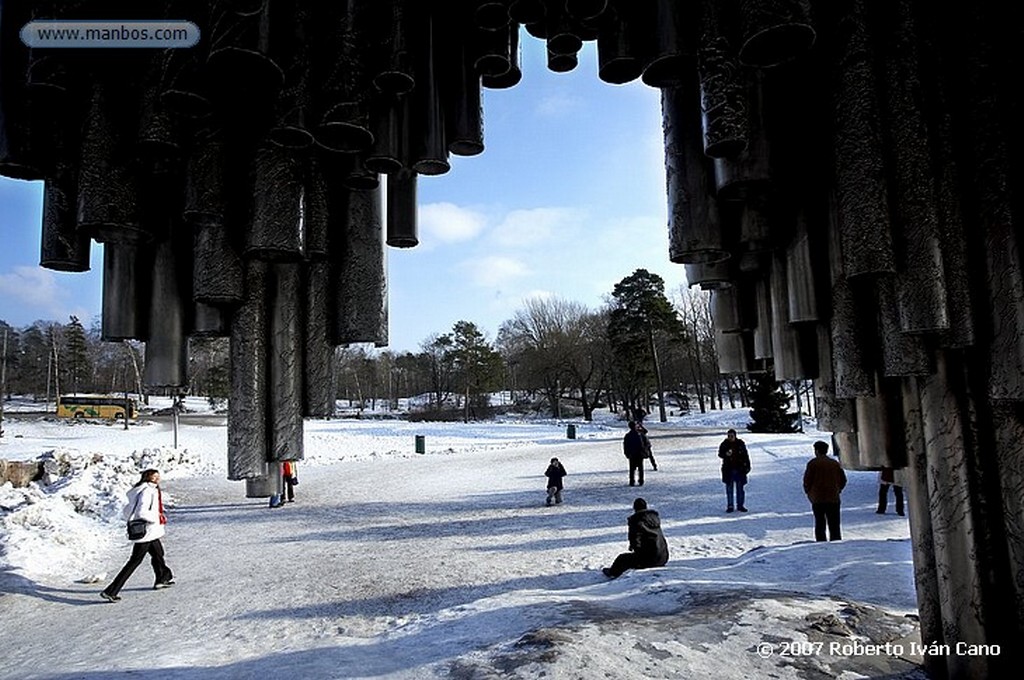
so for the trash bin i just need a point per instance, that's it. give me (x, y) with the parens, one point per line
(570, 431)
(421, 444)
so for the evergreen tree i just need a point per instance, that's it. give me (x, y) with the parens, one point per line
(478, 364)
(79, 368)
(769, 405)
(639, 312)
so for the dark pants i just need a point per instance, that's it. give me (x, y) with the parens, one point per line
(289, 488)
(155, 550)
(883, 498)
(636, 471)
(632, 560)
(826, 513)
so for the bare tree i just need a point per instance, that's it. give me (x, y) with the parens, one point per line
(694, 307)
(559, 346)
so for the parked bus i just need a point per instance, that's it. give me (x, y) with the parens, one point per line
(92, 406)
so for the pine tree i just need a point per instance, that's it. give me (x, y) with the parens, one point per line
(769, 406)
(77, 354)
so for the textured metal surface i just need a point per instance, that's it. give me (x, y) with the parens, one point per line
(619, 53)
(124, 288)
(775, 31)
(277, 229)
(209, 321)
(169, 318)
(672, 43)
(217, 277)
(108, 190)
(402, 229)
(286, 346)
(514, 73)
(358, 276)
(892, 128)
(318, 356)
(693, 223)
(464, 115)
(63, 246)
(248, 435)
(722, 86)
(861, 187)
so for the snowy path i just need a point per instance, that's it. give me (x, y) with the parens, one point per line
(421, 566)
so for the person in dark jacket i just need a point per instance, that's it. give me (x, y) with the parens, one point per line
(633, 449)
(824, 480)
(554, 473)
(648, 450)
(735, 467)
(647, 545)
(886, 478)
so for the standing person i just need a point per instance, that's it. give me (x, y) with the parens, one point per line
(647, 545)
(639, 413)
(886, 478)
(633, 449)
(735, 467)
(554, 473)
(824, 480)
(648, 451)
(291, 478)
(145, 502)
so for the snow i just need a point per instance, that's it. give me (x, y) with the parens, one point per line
(445, 564)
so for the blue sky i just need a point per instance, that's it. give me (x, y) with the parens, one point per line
(567, 198)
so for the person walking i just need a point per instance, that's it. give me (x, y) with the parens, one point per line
(735, 468)
(555, 473)
(145, 502)
(887, 477)
(824, 481)
(647, 544)
(633, 449)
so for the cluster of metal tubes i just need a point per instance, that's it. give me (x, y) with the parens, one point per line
(843, 175)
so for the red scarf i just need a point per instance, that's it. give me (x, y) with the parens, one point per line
(160, 501)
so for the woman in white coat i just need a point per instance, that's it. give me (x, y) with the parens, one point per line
(144, 503)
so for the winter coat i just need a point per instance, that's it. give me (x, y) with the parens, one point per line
(645, 439)
(633, 446)
(144, 503)
(824, 479)
(735, 460)
(887, 476)
(554, 473)
(646, 539)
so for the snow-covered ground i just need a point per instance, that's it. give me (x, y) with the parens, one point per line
(446, 564)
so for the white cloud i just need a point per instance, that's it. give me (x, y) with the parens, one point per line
(37, 289)
(535, 225)
(449, 223)
(559, 104)
(495, 271)
(538, 294)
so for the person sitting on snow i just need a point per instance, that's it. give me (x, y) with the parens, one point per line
(647, 544)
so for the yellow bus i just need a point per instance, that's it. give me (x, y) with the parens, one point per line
(74, 406)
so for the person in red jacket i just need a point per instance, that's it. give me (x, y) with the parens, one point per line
(291, 477)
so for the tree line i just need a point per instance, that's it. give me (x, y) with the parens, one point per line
(640, 349)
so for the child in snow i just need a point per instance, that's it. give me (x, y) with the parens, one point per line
(554, 473)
